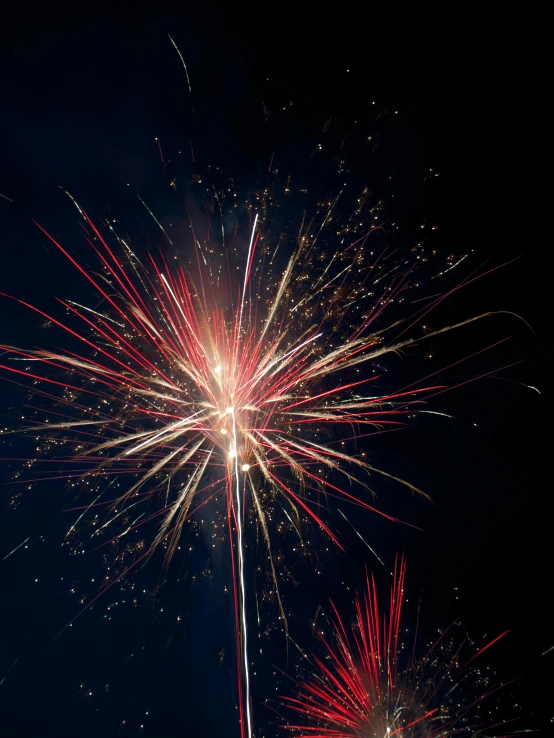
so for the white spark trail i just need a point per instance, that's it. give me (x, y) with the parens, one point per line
(7, 556)
(246, 273)
(184, 66)
(242, 584)
(361, 538)
(157, 221)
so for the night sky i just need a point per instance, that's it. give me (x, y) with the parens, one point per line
(83, 100)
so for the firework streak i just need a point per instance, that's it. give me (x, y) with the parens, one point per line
(361, 689)
(191, 386)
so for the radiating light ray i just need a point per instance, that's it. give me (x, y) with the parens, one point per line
(9, 670)
(7, 556)
(362, 538)
(183, 62)
(160, 226)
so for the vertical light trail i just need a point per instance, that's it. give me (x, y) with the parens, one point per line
(242, 609)
(247, 273)
(242, 585)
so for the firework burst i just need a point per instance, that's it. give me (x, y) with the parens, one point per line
(191, 383)
(371, 684)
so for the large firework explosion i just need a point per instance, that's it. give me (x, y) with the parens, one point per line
(371, 682)
(247, 369)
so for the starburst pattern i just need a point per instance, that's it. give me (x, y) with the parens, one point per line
(189, 383)
(183, 388)
(371, 683)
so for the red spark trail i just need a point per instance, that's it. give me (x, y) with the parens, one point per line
(363, 687)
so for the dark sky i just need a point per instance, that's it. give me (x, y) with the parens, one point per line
(83, 99)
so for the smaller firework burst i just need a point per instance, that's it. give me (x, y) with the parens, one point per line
(370, 683)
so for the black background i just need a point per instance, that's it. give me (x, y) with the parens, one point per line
(83, 95)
